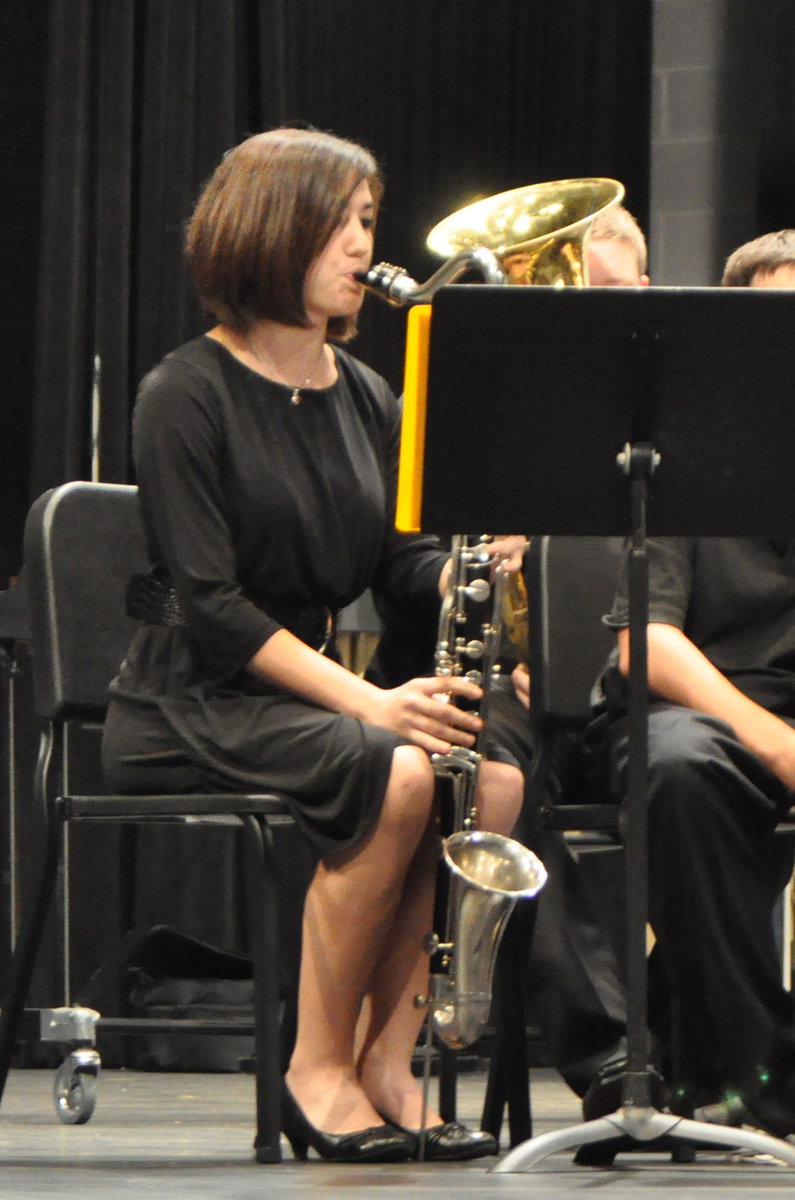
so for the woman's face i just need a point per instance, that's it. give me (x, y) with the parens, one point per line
(330, 289)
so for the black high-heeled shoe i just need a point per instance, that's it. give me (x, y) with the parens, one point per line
(451, 1142)
(379, 1143)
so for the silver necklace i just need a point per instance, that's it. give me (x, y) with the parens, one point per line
(295, 395)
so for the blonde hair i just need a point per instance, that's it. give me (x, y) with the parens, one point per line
(617, 224)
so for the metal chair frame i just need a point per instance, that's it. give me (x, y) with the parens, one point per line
(70, 685)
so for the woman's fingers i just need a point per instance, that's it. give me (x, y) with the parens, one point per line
(449, 686)
(437, 717)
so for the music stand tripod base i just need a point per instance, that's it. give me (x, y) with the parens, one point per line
(642, 1125)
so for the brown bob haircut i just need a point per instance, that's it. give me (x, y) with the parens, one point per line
(266, 214)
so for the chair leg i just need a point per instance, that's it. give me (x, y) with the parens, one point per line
(448, 1082)
(263, 906)
(26, 950)
(509, 1072)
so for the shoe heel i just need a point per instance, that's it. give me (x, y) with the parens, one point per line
(298, 1146)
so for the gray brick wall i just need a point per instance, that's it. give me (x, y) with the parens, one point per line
(711, 99)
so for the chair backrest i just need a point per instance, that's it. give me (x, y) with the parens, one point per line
(83, 541)
(571, 582)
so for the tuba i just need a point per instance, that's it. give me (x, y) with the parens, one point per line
(529, 235)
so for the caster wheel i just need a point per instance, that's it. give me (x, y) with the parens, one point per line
(75, 1087)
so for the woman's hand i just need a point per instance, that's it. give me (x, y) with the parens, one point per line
(423, 711)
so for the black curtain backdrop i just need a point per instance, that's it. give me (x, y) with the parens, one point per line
(456, 100)
(22, 70)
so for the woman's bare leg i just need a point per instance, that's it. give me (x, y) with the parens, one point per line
(402, 974)
(393, 1019)
(500, 796)
(350, 913)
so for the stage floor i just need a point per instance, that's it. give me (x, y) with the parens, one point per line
(166, 1136)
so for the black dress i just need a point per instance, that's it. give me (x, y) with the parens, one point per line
(262, 514)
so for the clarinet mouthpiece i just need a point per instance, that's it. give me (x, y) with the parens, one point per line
(389, 282)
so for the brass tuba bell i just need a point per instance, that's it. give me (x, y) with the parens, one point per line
(538, 232)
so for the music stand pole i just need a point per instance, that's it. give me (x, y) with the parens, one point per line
(638, 464)
(637, 1118)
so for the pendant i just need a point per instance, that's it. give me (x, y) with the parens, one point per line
(296, 396)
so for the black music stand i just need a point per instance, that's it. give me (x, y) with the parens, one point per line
(569, 412)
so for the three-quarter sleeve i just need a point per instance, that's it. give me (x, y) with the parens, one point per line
(179, 448)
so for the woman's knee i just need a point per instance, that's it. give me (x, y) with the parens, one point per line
(410, 794)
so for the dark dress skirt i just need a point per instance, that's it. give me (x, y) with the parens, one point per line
(332, 768)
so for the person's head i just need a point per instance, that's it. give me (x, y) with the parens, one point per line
(767, 261)
(616, 250)
(265, 217)
(615, 253)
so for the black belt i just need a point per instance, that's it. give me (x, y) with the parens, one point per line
(153, 600)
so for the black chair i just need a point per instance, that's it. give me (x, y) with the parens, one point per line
(82, 543)
(571, 584)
